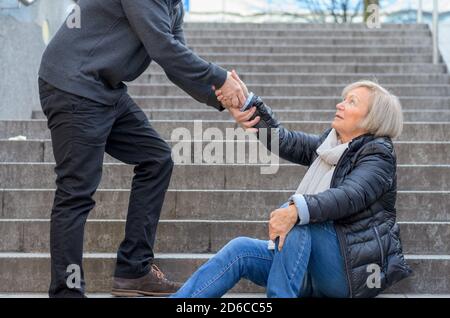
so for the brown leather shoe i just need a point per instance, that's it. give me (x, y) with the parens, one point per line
(152, 284)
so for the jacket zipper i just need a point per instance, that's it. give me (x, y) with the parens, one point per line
(339, 234)
(344, 253)
(377, 235)
(338, 231)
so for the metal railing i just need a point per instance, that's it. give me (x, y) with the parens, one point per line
(420, 12)
(435, 32)
(434, 27)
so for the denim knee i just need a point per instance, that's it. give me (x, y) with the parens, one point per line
(297, 235)
(239, 244)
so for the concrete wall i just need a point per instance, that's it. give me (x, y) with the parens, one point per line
(19, 62)
(22, 45)
(444, 42)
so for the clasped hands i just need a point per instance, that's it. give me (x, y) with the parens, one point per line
(232, 95)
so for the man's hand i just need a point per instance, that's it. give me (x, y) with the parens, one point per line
(281, 222)
(242, 118)
(236, 77)
(232, 92)
(227, 102)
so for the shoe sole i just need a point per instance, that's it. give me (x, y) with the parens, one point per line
(136, 293)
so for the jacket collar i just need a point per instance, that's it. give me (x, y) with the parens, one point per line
(356, 143)
(360, 141)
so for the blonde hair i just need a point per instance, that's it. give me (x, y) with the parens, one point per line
(385, 117)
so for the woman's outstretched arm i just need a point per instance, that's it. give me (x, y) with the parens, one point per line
(255, 115)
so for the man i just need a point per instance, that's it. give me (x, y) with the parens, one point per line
(89, 112)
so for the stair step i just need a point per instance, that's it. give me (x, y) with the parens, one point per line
(300, 48)
(295, 90)
(42, 151)
(324, 40)
(431, 272)
(316, 58)
(419, 206)
(291, 103)
(220, 176)
(329, 67)
(170, 129)
(195, 236)
(204, 113)
(322, 78)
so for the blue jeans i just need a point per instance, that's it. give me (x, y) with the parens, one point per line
(309, 265)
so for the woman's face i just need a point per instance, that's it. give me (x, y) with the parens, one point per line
(350, 112)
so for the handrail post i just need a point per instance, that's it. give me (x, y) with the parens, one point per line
(223, 10)
(420, 12)
(435, 32)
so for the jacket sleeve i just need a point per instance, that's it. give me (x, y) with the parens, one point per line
(294, 146)
(372, 176)
(151, 21)
(203, 93)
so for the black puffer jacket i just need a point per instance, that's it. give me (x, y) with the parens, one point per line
(360, 201)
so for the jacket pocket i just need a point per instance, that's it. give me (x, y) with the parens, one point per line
(380, 246)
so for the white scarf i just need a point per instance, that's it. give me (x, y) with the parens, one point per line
(318, 177)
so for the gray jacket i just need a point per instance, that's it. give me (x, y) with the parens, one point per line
(116, 43)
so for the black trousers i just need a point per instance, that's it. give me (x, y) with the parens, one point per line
(82, 130)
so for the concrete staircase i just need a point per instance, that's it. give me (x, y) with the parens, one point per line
(300, 71)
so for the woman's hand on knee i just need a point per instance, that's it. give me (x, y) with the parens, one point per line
(281, 222)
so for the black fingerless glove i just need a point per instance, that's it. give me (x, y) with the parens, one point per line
(267, 121)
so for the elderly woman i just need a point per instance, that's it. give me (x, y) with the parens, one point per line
(336, 236)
